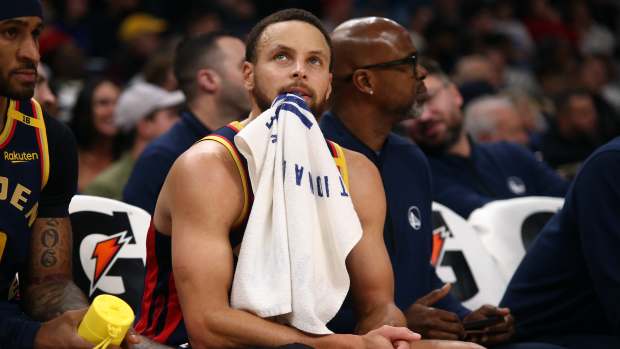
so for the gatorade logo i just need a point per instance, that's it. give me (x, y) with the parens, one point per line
(111, 257)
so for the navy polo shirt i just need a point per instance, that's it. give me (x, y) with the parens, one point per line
(407, 182)
(569, 281)
(493, 171)
(151, 168)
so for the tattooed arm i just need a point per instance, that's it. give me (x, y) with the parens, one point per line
(49, 289)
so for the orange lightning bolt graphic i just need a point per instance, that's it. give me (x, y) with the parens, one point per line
(438, 242)
(104, 253)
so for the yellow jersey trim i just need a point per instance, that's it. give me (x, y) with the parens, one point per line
(33, 121)
(242, 173)
(42, 134)
(10, 121)
(341, 163)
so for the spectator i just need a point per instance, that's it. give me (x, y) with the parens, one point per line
(596, 74)
(529, 108)
(474, 68)
(573, 132)
(486, 172)
(593, 38)
(494, 119)
(42, 91)
(95, 132)
(144, 112)
(140, 35)
(208, 70)
(158, 70)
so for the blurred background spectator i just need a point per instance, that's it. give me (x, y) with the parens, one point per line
(43, 92)
(98, 140)
(494, 119)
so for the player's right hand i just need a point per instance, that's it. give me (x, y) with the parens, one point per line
(61, 332)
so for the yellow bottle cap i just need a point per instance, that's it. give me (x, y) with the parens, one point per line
(108, 317)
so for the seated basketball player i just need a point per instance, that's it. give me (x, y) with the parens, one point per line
(202, 202)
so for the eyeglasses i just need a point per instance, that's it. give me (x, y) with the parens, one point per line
(411, 60)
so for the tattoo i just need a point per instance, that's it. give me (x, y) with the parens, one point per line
(53, 222)
(48, 259)
(53, 299)
(49, 239)
(48, 289)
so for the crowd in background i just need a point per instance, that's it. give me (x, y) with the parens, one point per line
(553, 63)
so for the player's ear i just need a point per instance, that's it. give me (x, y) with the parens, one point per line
(363, 81)
(207, 80)
(248, 75)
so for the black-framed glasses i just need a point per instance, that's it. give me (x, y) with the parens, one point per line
(410, 60)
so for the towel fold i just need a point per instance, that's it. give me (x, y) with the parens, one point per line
(302, 225)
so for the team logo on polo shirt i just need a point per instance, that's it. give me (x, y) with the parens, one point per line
(415, 218)
(516, 185)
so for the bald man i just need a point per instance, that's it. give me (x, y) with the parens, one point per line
(372, 56)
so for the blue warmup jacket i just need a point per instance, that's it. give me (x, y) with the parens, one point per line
(407, 182)
(569, 281)
(494, 171)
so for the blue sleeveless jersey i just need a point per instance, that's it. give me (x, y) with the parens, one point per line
(24, 170)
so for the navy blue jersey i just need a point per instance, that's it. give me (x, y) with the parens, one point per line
(407, 182)
(24, 170)
(493, 171)
(38, 178)
(160, 315)
(569, 281)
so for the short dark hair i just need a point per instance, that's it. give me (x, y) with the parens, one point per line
(193, 54)
(291, 14)
(562, 99)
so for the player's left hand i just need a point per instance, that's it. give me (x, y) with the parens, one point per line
(494, 334)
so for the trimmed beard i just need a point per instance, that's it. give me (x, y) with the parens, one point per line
(453, 135)
(264, 102)
(7, 91)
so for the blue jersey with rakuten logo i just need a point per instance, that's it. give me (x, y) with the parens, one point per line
(408, 225)
(24, 170)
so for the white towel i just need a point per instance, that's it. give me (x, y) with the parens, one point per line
(302, 225)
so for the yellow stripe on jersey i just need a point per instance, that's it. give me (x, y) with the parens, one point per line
(8, 127)
(25, 119)
(233, 153)
(45, 156)
(341, 163)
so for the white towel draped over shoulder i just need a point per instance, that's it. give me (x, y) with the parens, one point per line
(302, 225)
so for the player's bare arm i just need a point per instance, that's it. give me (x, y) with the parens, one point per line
(372, 282)
(49, 290)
